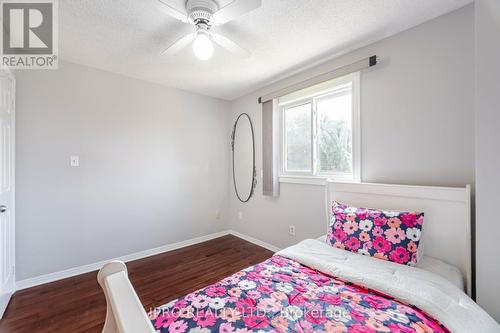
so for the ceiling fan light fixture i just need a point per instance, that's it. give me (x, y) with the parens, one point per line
(203, 48)
(204, 15)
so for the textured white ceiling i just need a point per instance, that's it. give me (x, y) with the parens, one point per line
(127, 37)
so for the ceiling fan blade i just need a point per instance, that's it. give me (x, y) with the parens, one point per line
(229, 45)
(174, 12)
(235, 9)
(179, 44)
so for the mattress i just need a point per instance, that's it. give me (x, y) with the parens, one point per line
(436, 266)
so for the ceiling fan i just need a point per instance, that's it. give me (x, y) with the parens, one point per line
(205, 14)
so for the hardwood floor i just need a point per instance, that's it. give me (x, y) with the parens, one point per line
(77, 304)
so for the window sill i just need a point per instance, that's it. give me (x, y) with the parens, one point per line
(318, 181)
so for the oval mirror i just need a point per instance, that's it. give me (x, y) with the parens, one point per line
(243, 145)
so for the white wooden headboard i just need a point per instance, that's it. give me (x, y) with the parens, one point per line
(446, 230)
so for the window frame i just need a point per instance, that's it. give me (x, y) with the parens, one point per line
(311, 95)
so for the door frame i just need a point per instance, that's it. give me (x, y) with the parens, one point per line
(4, 299)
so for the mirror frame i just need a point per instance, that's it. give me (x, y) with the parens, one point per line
(254, 173)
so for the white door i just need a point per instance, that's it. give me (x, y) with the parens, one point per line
(7, 140)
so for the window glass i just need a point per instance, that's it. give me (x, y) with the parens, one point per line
(334, 140)
(298, 138)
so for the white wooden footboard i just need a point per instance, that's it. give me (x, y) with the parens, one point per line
(125, 313)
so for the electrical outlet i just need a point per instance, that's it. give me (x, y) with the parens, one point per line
(217, 214)
(291, 230)
(240, 215)
(74, 161)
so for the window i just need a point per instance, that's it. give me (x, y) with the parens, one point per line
(319, 131)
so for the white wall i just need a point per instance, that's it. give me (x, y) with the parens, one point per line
(417, 110)
(487, 154)
(154, 167)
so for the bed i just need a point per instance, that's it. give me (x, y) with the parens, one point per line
(314, 287)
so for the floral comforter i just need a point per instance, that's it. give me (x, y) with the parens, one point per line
(281, 295)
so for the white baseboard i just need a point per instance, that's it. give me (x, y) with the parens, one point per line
(51, 277)
(4, 301)
(254, 240)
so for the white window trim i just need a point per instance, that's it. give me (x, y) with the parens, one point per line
(308, 95)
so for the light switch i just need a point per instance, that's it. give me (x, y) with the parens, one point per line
(74, 161)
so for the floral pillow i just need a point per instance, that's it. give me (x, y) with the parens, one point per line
(393, 236)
